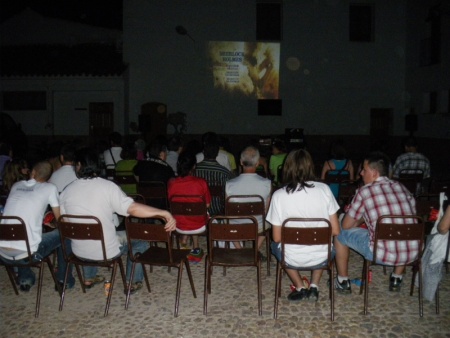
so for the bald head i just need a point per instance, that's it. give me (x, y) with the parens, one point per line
(42, 171)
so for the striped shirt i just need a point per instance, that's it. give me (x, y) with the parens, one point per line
(214, 174)
(386, 197)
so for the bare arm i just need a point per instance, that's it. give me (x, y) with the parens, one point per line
(351, 170)
(444, 223)
(56, 212)
(335, 228)
(324, 170)
(146, 211)
(350, 222)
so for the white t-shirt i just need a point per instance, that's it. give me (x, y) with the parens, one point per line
(250, 184)
(63, 177)
(222, 158)
(316, 202)
(29, 200)
(100, 198)
(109, 162)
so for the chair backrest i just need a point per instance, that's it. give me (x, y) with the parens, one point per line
(222, 228)
(80, 227)
(149, 232)
(245, 205)
(188, 205)
(155, 193)
(124, 179)
(412, 174)
(301, 235)
(337, 176)
(399, 228)
(13, 228)
(138, 198)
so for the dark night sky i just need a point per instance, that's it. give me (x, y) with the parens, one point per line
(103, 13)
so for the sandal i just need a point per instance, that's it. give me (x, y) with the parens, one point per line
(134, 288)
(89, 283)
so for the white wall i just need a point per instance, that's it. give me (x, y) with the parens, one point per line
(332, 92)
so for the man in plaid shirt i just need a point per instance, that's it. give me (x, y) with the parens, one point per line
(411, 160)
(379, 196)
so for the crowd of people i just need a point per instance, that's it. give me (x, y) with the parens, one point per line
(83, 184)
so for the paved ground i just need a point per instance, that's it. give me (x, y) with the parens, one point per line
(232, 310)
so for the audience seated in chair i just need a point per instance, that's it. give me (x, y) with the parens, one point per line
(124, 175)
(66, 173)
(276, 160)
(301, 197)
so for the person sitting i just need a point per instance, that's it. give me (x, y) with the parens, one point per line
(214, 173)
(29, 200)
(112, 155)
(174, 149)
(224, 148)
(15, 170)
(125, 167)
(338, 164)
(276, 160)
(301, 196)
(94, 196)
(221, 157)
(250, 183)
(379, 196)
(187, 184)
(65, 175)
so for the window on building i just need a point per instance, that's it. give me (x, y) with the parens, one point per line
(361, 22)
(23, 100)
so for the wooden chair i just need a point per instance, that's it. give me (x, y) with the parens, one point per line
(305, 236)
(82, 228)
(250, 205)
(339, 178)
(15, 230)
(412, 180)
(221, 229)
(188, 206)
(155, 193)
(387, 230)
(155, 255)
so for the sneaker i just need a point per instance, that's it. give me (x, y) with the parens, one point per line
(395, 284)
(195, 255)
(313, 294)
(297, 296)
(25, 287)
(343, 287)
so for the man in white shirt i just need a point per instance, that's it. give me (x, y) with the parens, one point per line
(29, 200)
(112, 155)
(66, 174)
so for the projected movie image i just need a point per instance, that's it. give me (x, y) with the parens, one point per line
(246, 68)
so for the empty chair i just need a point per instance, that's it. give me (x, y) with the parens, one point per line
(16, 230)
(221, 229)
(156, 255)
(251, 205)
(388, 231)
(87, 228)
(308, 236)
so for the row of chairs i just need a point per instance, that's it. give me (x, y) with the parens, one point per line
(221, 228)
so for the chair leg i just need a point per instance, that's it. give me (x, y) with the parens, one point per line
(177, 296)
(191, 281)
(258, 277)
(63, 292)
(437, 299)
(205, 288)
(80, 277)
(268, 252)
(12, 278)
(331, 271)
(420, 291)
(147, 282)
(277, 290)
(365, 285)
(39, 288)
(113, 276)
(128, 288)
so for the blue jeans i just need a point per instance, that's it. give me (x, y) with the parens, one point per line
(358, 240)
(276, 251)
(50, 241)
(138, 246)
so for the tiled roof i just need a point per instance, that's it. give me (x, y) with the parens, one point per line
(60, 60)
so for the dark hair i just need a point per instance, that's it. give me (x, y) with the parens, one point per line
(338, 151)
(298, 168)
(378, 161)
(279, 144)
(129, 152)
(186, 162)
(174, 143)
(410, 142)
(115, 138)
(68, 152)
(211, 150)
(88, 160)
(158, 145)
